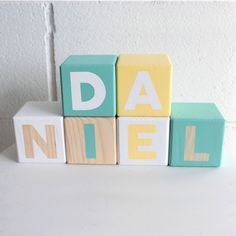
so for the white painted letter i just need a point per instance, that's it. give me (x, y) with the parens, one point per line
(143, 80)
(77, 78)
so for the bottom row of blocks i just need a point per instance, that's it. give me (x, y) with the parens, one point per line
(196, 137)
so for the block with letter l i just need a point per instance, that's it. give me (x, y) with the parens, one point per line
(89, 85)
(39, 133)
(197, 132)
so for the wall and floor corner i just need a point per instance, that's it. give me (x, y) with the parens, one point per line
(35, 39)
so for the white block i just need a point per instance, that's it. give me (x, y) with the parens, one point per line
(39, 133)
(143, 141)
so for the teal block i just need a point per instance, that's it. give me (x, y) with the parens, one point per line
(103, 69)
(205, 125)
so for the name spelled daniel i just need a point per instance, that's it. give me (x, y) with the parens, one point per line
(138, 89)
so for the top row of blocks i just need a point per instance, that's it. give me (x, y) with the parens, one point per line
(106, 85)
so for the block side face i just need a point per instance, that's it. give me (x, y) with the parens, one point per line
(90, 60)
(104, 140)
(195, 111)
(40, 141)
(207, 139)
(107, 75)
(144, 91)
(143, 141)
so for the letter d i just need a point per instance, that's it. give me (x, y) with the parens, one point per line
(78, 78)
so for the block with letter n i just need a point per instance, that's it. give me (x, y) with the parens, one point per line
(197, 133)
(39, 133)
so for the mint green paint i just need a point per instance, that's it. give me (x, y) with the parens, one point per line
(102, 65)
(89, 92)
(195, 111)
(209, 133)
(90, 142)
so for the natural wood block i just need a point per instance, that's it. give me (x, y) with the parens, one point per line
(89, 85)
(90, 140)
(143, 140)
(144, 84)
(197, 131)
(39, 133)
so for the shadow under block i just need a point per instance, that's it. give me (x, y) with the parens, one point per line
(197, 132)
(39, 133)
(143, 140)
(90, 140)
(144, 84)
(89, 85)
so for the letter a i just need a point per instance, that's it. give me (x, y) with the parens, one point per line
(143, 80)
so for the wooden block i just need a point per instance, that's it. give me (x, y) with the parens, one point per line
(39, 133)
(144, 85)
(89, 85)
(197, 131)
(90, 140)
(143, 140)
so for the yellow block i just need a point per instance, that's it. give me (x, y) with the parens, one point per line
(144, 84)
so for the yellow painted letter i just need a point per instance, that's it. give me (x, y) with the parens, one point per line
(140, 145)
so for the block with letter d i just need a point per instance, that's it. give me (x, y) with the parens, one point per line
(143, 140)
(197, 132)
(144, 84)
(89, 85)
(39, 133)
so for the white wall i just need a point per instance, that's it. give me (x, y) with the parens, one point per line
(199, 37)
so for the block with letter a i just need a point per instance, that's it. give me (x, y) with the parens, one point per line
(143, 140)
(144, 85)
(197, 131)
(39, 133)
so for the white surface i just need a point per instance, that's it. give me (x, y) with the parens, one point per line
(116, 200)
(199, 37)
(38, 115)
(22, 61)
(159, 140)
(40, 109)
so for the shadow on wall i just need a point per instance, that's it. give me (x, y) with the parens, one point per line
(7, 133)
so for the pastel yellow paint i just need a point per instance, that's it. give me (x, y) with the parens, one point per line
(144, 84)
(135, 142)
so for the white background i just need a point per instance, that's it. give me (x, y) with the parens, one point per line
(35, 38)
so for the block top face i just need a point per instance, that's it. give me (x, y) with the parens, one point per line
(144, 60)
(195, 111)
(40, 109)
(90, 60)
